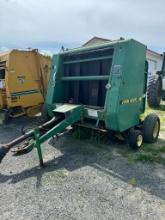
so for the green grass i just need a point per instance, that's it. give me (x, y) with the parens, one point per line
(93, 136)
(150, 158)
(144, 157)
(153, 153)
(155, 148)
(133, 181)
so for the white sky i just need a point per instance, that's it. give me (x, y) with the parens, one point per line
(76, 21)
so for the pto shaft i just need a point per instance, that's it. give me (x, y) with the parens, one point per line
(42, 128)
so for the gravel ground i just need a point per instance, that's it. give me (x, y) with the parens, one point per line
(81, 180)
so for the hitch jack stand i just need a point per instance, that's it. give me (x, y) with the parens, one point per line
(72, 115)
(38, 146)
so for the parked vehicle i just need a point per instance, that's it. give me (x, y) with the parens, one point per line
(23, 82)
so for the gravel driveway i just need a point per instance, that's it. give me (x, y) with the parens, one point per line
(81, 180)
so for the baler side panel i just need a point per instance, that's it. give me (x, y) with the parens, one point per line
(112, 95)
(23, 85)
(55, 92)
(125, 99)
(132, 87)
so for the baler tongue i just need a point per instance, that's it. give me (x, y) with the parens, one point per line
(71, 114)
(65, 115)
(67, 108)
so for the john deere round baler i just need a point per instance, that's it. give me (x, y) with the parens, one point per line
(100, 87)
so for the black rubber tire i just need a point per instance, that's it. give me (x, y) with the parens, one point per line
(163, 95)
(134, 135)
(154, 91)
(149, 126)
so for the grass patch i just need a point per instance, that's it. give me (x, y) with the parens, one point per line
(133, 181)
(153, 156)
(150, 158)
(93, 136)
(154, 148)
(153, 153)
(159, 111)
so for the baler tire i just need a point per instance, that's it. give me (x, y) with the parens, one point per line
(154, 91)
(135, 139)
(151, 128)
(163, 95)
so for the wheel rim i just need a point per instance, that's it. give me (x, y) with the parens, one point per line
(139, 140)
(156, 130)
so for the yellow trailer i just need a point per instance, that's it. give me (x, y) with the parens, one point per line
(23, 82)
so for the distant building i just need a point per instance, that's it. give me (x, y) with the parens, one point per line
(154, 59)
(96, 40)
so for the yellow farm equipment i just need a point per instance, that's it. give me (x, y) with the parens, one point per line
(23, 82)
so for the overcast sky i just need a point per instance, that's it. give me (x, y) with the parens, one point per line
(48, 24)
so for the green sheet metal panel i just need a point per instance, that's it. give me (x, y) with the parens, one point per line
(125, 98)
(55, 92)
(125, 87)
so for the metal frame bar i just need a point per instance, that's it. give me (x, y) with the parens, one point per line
(74, 116)
(88, 60)
(74, 78)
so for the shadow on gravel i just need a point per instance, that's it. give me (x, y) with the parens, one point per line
(78, 154)
(14, 127)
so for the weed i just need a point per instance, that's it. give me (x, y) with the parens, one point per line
(133, 181)
(150, 158)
